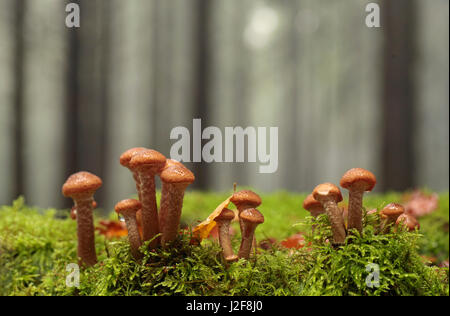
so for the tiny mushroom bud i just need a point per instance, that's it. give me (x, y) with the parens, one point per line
(125, 161)
(128, 209)
(147, 164)
(357, 181)
(389, 215)
(175, 179)
(408, 221)
(223, 221)
(313, 206)
(81, 187)
(329, 195)
(251, 218)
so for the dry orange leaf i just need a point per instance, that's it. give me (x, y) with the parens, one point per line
(202, 230)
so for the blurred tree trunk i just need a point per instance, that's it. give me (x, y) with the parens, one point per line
(19, 66)
(399, 25)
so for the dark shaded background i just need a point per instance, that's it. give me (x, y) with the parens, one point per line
(342, 94)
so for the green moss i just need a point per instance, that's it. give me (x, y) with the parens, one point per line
(35, 248)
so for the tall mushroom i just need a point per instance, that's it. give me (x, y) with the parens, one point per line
(357, 181)
(147, 164)
(389, 215)
(223, 220)
(329, 196)
(81, 187)
(128, 209)
(125, 161)
(251, 218)
(408, 221)
(73, 210)
(175, 179)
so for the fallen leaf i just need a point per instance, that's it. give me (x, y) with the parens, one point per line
(202, 230)
(112, 229)
(419, 204)
(296, 241)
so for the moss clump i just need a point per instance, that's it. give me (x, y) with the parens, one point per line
(35, 248)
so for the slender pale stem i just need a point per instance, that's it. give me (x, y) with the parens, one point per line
(171, 205)
(336, 220)
(150, 225)
(133, 235)
(85, 231)
(224, 238)
(355, 210)
(247, 240)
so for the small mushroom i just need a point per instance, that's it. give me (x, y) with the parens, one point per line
(128, 209)
(175, 179)
(251, 218)
(329, 196)
(81, 187)
(314, 207)
(223, 221)
(147, 164)
(357, 181)
(125, 161)
(408, 221)
(243, 200)
(389, 215)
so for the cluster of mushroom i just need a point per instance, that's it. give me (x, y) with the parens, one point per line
(246, 202)
(160, 228)
(326, 196)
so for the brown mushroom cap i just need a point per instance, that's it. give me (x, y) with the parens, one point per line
(246, 197)
(127, 155)
(82, 182)
(252, 215)
(327, 190)
(147, 158)
(311, 203)
(409, 221)
(358, 178)
(128, 205)
(177, 174)
(172, 162)
(392, 210)
(225, 215)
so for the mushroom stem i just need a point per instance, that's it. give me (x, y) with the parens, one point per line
(224, 239)
(336, 220)
(137, 180)
(150, 226)
(247, 241)
(171, 205)
(133, 235)
(85, 231)
(355, 210)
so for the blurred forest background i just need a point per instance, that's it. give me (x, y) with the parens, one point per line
(342, 94)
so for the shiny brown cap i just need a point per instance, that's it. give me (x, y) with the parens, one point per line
(358, 179)
(225, 215)
(409, 221)
(147, 159)
(325, 190)
(246, 197)
(81, 183)
(127, 155)
(392, 210)
(177, 174)
(252, 215)
(311, 203)
(128, 206)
